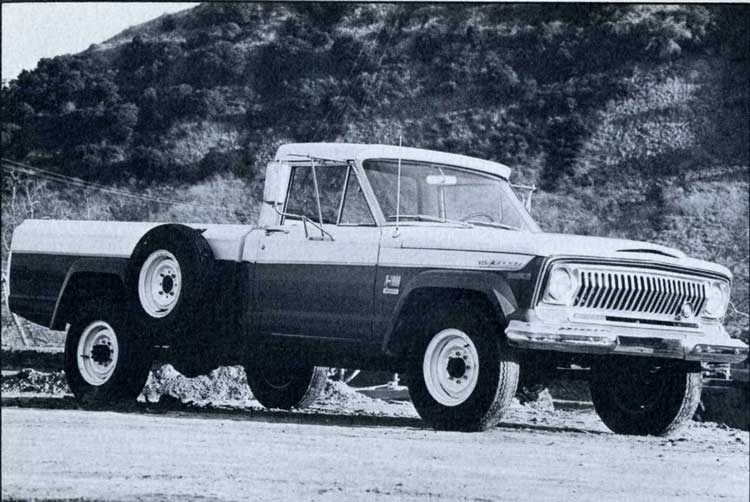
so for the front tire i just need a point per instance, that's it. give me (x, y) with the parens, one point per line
(105, 360)
(640, 396)
(286, 387)
(464, 376)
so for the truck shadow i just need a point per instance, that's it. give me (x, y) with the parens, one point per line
(176, 409)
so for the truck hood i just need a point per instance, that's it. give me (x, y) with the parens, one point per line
(486, 239)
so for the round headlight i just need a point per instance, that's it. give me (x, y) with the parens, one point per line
(561, 286)
(717, 298)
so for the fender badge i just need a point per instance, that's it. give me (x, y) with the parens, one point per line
(392, 284)
(499, 263)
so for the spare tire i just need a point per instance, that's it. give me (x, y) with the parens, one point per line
(169, 279)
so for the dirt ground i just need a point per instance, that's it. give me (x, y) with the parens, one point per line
(208, 439)
(104, 455)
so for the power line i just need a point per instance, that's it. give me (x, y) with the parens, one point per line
(11, 165)
(61, 178)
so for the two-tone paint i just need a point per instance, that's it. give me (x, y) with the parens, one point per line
(342, 291)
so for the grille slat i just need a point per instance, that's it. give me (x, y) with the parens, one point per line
(693, 295)
(642, 292)
(653, 296)
(617, 293)
(625, 296)
(669, 299)
(680, 298)
(661, 294)
(634, 294)
(702, 298)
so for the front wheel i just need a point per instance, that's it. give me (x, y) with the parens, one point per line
(286, 387)
(105, 360)
(640, 396)
(464, 377)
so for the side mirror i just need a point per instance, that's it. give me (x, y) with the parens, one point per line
(277, 182)
(528, 192)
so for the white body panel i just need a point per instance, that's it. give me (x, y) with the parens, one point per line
(359, 152)
(352, 246)
(420, 237)
(417, 244)
(440, 258)
(114, 239)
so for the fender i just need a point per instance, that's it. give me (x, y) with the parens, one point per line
(493, 286)
(105, 267)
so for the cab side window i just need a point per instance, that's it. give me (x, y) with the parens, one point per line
(302, 200)
(355, 210)
(340, 193)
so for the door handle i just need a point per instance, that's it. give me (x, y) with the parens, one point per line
(271, 230)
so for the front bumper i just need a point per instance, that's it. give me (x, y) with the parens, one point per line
(711, 345)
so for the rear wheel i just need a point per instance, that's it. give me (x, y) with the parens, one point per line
(464, 376)
(286, 387)
(105, 360)
(641, 396)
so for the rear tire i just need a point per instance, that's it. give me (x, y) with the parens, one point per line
(641, 396)
(464, 376)
(105, 359)
(286, 387)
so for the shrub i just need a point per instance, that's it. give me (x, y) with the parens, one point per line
(147, 163)
(168, 23)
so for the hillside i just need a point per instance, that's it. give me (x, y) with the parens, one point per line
(632, 119)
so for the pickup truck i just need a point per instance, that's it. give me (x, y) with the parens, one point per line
(384, 258)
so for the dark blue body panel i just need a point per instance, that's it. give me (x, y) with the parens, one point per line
(332, 313)
(37, 281)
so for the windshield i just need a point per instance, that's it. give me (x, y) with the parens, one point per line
(435, 192)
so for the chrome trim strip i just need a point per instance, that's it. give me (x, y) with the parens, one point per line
(714, 345)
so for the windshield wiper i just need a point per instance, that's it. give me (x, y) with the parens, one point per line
(427, 217)
(493, 224)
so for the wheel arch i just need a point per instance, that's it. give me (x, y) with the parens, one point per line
(440, 287)
(88, 278)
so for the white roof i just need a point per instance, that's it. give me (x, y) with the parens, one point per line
(357, 151)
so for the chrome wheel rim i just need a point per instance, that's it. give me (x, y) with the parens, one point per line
(160, 283)
(97, 353)
(451, 367)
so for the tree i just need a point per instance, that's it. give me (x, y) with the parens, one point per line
(219, 64)
(121, 119)
(565, 137)
(150, 164)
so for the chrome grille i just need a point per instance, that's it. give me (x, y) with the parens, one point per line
(640, 292)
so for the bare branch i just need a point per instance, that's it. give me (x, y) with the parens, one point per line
(16, 322)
